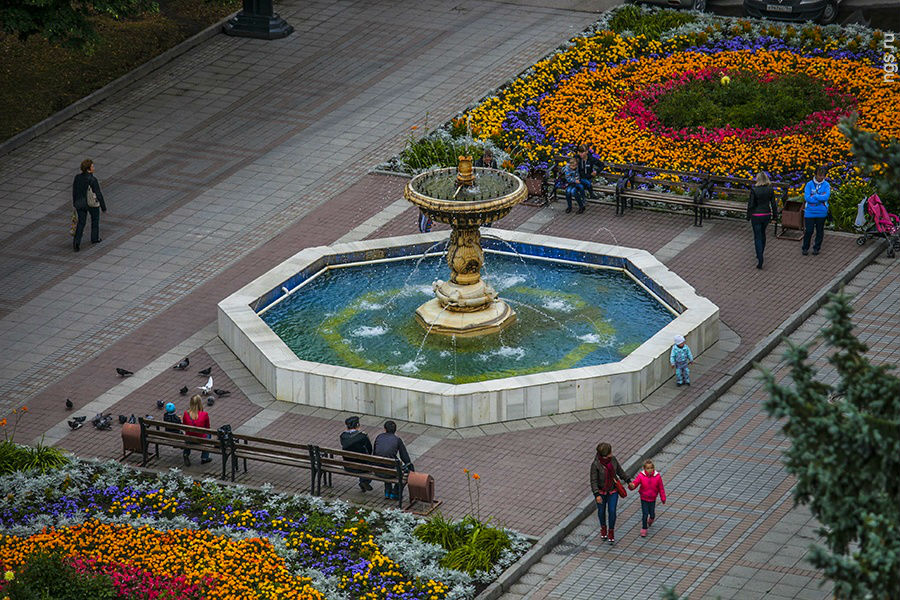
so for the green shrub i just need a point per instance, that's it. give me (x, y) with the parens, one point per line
(442, 532)
(14, 457)
(471, 545)
(745, 102)
(844, 199)
(651, 24)
(47, 576)
(431, 151)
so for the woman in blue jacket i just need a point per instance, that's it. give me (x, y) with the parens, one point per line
(816, 194)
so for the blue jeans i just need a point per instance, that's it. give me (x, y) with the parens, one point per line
(204, 455)
(648, 509)
(587, 186)
(683, 374)
(608, 503)
(759, 235)
(574, 191)
(816, 224)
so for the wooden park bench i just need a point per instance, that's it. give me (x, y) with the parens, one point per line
(702, 193)
(160, 433)
(329, 461)
(240, 447)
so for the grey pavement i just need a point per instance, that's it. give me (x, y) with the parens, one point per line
(214, 154)
(729, 529)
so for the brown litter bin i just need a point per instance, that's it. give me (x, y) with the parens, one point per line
(131, 439)
(421, 489)
(792, 219)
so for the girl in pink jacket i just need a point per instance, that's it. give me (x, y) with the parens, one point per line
(651, 484)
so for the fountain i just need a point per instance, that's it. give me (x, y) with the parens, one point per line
(465, 305)
(364, 327)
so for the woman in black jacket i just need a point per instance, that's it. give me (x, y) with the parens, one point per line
(87, 198)
(604, 471)
(761, 209)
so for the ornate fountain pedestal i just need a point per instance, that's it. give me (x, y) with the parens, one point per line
(465, 305)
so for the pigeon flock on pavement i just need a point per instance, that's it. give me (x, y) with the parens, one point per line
(103, 422)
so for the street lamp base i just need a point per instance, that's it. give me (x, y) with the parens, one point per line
(263, 27)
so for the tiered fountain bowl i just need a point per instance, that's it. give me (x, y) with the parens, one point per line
(466, 198)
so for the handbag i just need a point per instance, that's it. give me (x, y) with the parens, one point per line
(620, 488)
(92, 201)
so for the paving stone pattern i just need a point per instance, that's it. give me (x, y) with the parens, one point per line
(219, 151)
(729, 529)
(240, 153)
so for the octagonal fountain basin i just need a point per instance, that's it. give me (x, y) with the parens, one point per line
(335, 327)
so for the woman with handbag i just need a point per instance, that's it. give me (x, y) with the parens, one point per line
(87, 198)
(606, 484)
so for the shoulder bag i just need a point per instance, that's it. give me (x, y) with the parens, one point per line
(92, 201)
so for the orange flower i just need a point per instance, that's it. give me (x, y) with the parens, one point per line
(24, 409)
(2, 422)
(475, 476)
(466, 471)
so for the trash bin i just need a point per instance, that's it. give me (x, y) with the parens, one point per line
(792, 217)
(421, 489)
(131, 439)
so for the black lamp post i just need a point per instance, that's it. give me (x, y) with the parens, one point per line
(258, 20)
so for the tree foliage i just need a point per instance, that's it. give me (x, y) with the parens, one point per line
(878, 157)
(845, 455)
(65, 22)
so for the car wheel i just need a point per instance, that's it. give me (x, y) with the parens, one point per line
(829, 15)
(698, 5)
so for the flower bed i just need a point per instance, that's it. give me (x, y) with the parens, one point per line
(604, 88)
(147, 534)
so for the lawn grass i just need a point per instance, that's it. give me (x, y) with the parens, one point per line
(38, 79)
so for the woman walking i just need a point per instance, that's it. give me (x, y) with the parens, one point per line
(761, 209)
(604, 471)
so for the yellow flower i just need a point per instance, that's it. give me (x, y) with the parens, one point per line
(725, 80)
(9, 575)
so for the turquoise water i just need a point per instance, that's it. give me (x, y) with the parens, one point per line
(567, 316)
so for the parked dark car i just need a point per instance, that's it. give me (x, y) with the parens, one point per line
(821, 11)
(689, 4)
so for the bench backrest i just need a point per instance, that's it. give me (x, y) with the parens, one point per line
(335, 460)
(250, 444)
(155, 431)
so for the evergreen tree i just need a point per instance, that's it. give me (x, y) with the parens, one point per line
(845, 455)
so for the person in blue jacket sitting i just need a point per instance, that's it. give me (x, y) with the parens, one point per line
(816, 194)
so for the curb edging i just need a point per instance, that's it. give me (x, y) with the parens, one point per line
(97, 96)
(763, 348)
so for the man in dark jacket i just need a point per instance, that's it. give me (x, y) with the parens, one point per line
(588, 167)
(84, 181)
(354, 440)
(388, 445)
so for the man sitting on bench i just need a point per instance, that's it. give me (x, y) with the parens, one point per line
(354, 440)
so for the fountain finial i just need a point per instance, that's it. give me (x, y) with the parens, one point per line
(464, 173)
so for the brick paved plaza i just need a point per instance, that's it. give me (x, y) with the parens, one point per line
(241, 152)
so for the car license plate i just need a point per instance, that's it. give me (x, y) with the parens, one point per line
(779, 8)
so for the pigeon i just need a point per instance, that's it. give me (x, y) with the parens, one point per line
(183, 390)
(73, 424)
(210, 400)
(160, 404)
(132, 419)
(102, 421)
(122, 419)
(206, 371)
(69, 404)
(181, 366)
(206, 389)
(221, 393)
(124, 372)
(79, 419)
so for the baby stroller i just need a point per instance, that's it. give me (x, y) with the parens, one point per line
(882, 223)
